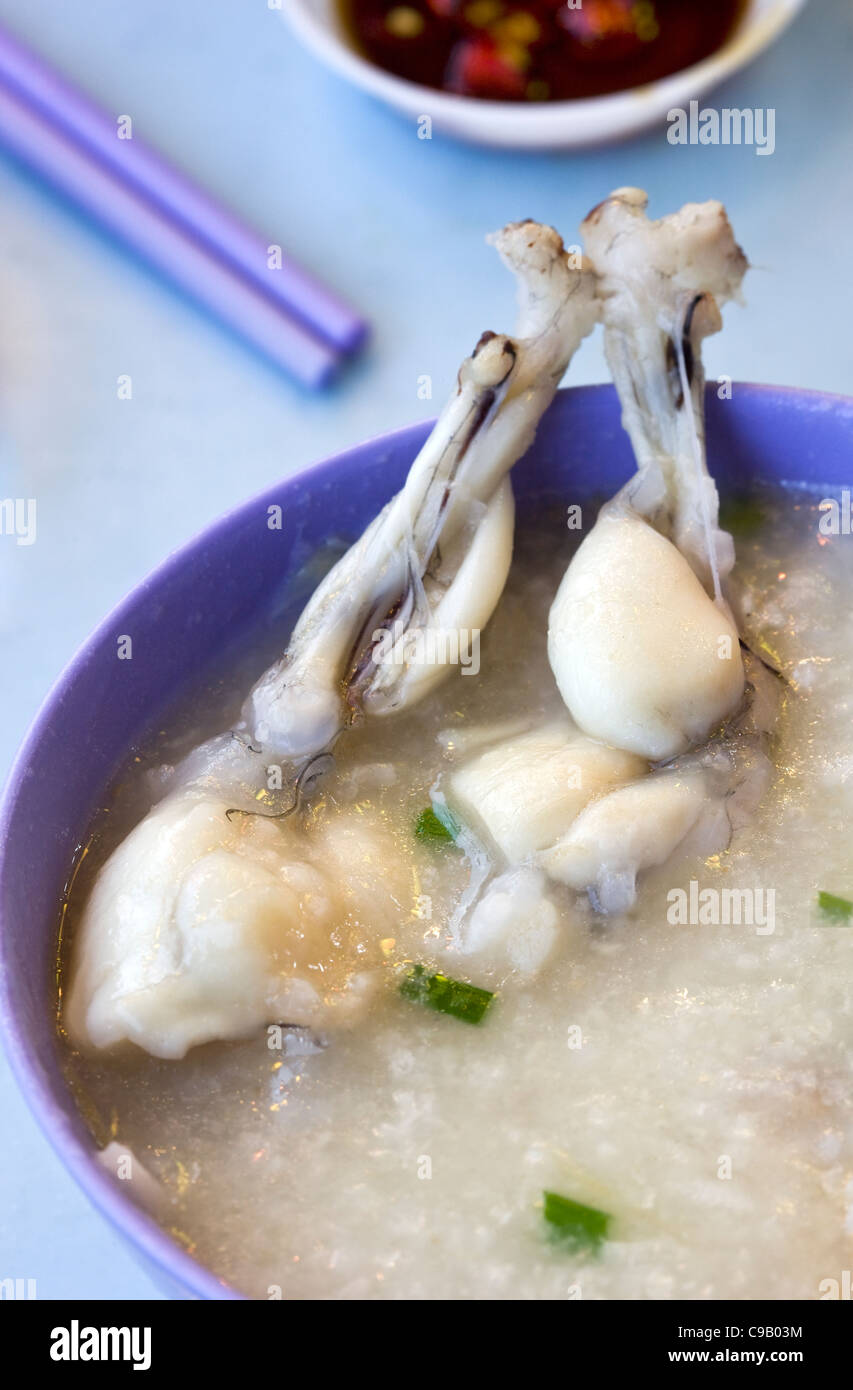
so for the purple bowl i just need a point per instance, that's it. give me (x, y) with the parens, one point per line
(194, 615)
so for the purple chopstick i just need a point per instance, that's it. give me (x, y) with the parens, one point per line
(123, 211)
(131, 163)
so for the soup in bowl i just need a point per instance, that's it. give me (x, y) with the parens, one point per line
(514, 964)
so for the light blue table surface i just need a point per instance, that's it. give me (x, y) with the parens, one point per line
(397, 224)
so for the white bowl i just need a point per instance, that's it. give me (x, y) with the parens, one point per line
(545, 125)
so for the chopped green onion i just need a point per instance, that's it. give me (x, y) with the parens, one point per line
(837, 910)
(433, 831)
(573, 1224)
(742, 515)
(466, 1002)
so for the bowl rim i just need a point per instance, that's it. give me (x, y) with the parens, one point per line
(131, 1222)
(741, 47)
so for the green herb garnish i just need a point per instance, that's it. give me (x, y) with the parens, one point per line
(466, 1002)
(433, 831)
(574, 1225)
(742, 515)
(836, 910)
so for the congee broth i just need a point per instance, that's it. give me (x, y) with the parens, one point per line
(490, 944)
(691, 1080)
